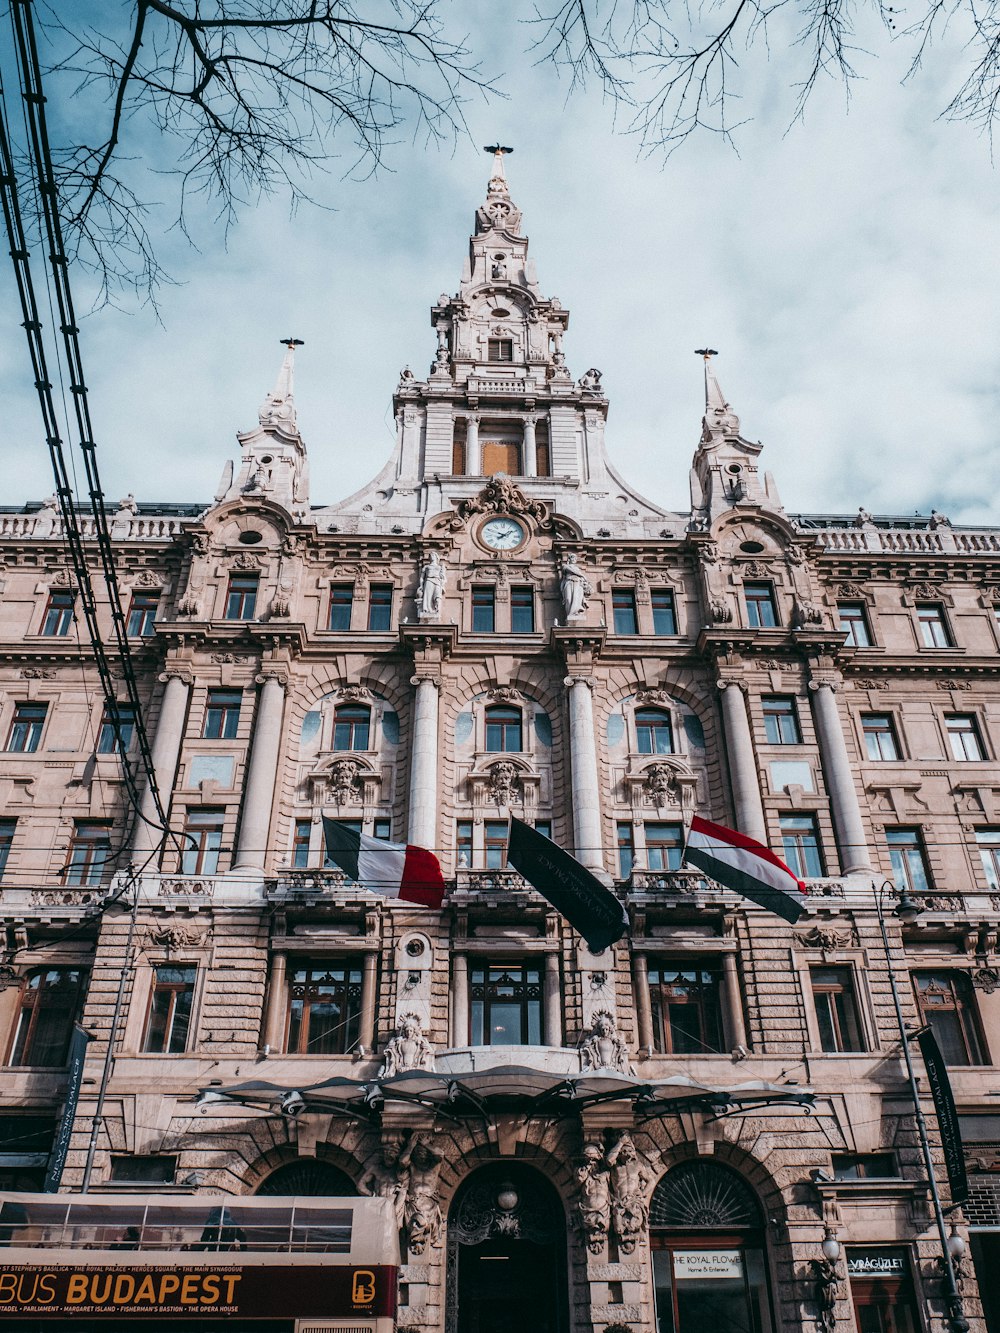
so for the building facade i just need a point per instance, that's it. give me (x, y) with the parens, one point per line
(654, 1137)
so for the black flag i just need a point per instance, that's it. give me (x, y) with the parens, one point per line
(944, 1105)
(572, 890)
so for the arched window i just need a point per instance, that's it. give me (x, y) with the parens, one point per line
(351, 727)
(654, 732)
(308, 1177)
(503, 729)
(707, 1236)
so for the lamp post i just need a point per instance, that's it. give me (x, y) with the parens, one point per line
(907, 909)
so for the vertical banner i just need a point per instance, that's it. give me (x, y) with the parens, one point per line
(944, 1105)
(60, 1145)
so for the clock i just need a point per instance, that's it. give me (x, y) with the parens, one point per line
(502, 534)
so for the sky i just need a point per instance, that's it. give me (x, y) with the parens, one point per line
(844, 267)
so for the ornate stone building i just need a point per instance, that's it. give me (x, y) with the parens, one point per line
(656, 1137)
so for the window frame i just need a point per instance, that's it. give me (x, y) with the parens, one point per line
(708, 1003)
(756, 594)
(905, 881)
(200, 823)
(669, 608)
(301, 843)
(24, 1037)
(648, 732)
(175, 992)
(500, 351)
(527, 997)
(8, 832)
(843, 1021)
(84, 865)
(495, 838)
(242, 592)
(222, 715)
(380, 596)
(107, 741)
(988, 846)
(624, 612)
(522, 599)
(483, 604)
(969, 1022)
(664, 844)
(625, 847)
(59, 613)
(795, 850)
(862, 618)
(338, 601)
(961, 733)
(142, 611)
(874, 737)
(34, 726)
(930, 617)
(787, 712)
(348, 989)
(352, 722)
(509, 719)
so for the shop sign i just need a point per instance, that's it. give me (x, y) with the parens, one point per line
(326, 1291)
(876, 1263)
(711, 1264)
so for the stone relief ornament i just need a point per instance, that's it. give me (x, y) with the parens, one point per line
(504, 785)
(433, 581)
(594, 1204)
(246, 561)
(661, 786)
(281, 602)
(408, 1049)
(807, 613)
(825, 937)
(504, 694)
(190, 603)
(422, 1216)
(629, 1183)
(354, 693)
(574, 587)
(345, 787)
(178, 937)
(387, 1180)
(986, 979)
(603, 1047)
(590, 382)
(500, 495)
(827, 1278)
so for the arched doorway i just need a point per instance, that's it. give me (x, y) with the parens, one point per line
(307, 1176)
(708, 1242)
(507, 1254)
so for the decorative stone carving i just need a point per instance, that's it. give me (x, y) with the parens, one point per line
(281, 602)
(825, 937)
(146, 579)
(504, 694)
(355, 693)
(755, 569)
(192, 888)
(177, 936)
(603, 1047)
(594, 1205)
(503, 783)
(500, 495)
(190, 603)
(433, 581)
(230, 657)
(421, 1210)
(827, 1279)
(806, 613)
(345, 787)
(37, 673)
(870, 683)
(661, 786)
(926, 592)
(387, 1180)
(574, 587)
(849, 590)
(408, 1049)
(629, 1183)
(245, 560)
(986, 979)
(590, 382)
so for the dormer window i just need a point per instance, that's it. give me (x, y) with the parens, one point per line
(500, 349)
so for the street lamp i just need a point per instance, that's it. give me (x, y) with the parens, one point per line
(908, 909)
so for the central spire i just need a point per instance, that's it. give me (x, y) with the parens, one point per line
(498, 181)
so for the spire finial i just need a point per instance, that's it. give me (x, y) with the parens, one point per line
(706, 353)
(498, 181)
(279, 405)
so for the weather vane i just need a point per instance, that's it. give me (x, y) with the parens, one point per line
(497, 149)
(706, 352)
(291, 342)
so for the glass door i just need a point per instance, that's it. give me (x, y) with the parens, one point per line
(719, 1286)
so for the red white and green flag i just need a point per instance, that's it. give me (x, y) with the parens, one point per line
(390, 869)
(747, 867)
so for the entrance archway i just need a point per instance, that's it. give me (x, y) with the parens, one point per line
(507, 1254)
(307, 1176)
(708, 1243)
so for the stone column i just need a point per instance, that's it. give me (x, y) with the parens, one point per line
(643, 1009)
(166, 748)
(262, 772)
(459, 1000)
(473, 460)
(742, 761)
(366, 1033)
(528, 457)
(587, 831)
(839, 777)
(552, 1001)
(274, 1018)
(735, 1027)
(423, 831)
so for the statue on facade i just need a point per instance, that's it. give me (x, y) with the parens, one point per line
(503, 782)
(603, 1047)
(594, 1206)
(827, 1277)
(408, 1049)
(433, 581)
(629, 1182)
(591, 381)
(387, 1180)
(498, 270)
(422, 1211)
(574, 587)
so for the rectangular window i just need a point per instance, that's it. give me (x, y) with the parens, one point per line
(324, 1007)
(483, 609)
(664, 844)
(341, 602)
(144, 1170)
(26, 728)
(654, 732)
(933, 626)
(505, 1004)
(522, 610)
(685, 999)
(908, 860)
(544, 827)
(49, 1005)
(500, 349)
(89, 848)
(626, 850)
(202, 842)
(301, 837)
(781, 721)
(380, 608)
(169, 1015)
(241, 597)
(503, 730)
(946, 1004)
(800, 840)
(880, 736)
(623, 609)
(222, 715)
(7, 828)
(761, 610)
(382, 829)
(463, 843)
(836, 1008)
(854, 624)
(963, 736)
(989, 849)
(58, 614)
(664, 611)
(864, 1166)
(496, 843)
(142, 614)
(107, 739)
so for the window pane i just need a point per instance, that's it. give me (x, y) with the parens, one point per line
(626, 850)
(89, 847)
(506, 1004)
(664, 844)
(761, 613)
(202, 842)
(654, 733)
(800, 841)
(880, 737)
(854, 623)
(503, 729)
(50, 1002)
(300, 843)
(380, 608)
(222, 714)
(989, 850)
(142, 614)
(483, 610)
(107, 740)
(26, 728)
(169, 1009)
(324, 1010)
(947, 1005)
(781, 723)
(836, 1009)
(664, 613)
(58, 613)
(623, 608)
(963, 735)
(351, 727)
(341, 601)
(686, 1008)
(241, 599)
(7, 829)
(522, 610)
(906, 855)
(933, 627)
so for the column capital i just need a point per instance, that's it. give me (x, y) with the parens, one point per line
(732, 682)
(426, 678)
(833, 680)
(268, 675)
(570, 681)
(183, 674)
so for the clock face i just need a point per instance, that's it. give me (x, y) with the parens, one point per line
(502, 534)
